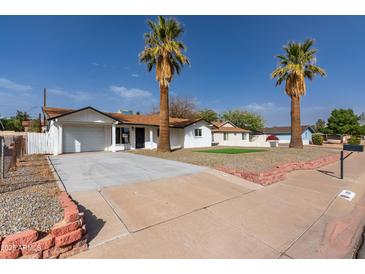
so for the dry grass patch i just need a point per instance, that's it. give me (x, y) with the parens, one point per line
(258, 162)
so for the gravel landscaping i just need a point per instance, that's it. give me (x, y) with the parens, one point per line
(257, 162)
(28, 197)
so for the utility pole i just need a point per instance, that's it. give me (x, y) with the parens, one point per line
(44, 104)
(40, 122)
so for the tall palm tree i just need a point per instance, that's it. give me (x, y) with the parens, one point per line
(298, 63)
(164, 52)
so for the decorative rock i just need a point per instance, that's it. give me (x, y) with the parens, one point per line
(64, 228)
(71, 214)
(55, 251)
(73, 251)
(279, 173)
(82, 241)
(10, 254)
(19, 239)
(40, 245)
(68, 238)
(37, 255)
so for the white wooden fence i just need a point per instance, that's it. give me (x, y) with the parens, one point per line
(39, 143)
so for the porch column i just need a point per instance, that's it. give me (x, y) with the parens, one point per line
(151, 138)
(113, 136)
(60, 145)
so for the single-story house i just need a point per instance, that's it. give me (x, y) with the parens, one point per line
(227, 134)
(284, 133)
(27, 124)
(88, 129)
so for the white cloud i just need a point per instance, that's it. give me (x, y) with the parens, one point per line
(75, 95)
(95, 64)
(135, 75)
(130, 94)
(263, 107)
(5, 83)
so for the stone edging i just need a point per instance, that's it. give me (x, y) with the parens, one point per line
(66, 238)
(279, 173)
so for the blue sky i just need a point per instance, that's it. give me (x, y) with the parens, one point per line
(93, 60)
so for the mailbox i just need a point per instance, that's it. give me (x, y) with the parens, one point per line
(357, 148)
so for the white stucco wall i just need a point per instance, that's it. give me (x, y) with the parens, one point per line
(236, 140)
(190, 140)
(82, 118)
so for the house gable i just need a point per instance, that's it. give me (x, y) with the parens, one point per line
(227, 124)
(87, 115)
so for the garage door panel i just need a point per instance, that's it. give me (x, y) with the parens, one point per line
(83, 138)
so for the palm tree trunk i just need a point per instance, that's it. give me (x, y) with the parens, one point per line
(296, 130)
(164, 139)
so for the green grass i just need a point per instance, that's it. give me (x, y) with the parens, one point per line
(231, 150)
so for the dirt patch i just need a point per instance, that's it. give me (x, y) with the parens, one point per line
(257, 162)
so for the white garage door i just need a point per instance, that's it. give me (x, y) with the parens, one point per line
(83, 138)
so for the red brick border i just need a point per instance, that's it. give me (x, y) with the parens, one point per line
(66, 238)
(279, 173)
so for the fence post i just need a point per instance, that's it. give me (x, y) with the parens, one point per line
(2, 160)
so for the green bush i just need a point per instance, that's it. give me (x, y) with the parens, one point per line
(354, 140)
(317, 139)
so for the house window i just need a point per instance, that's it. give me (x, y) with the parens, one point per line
(198, 132)
(122, 135)
(117, 135)
(125, 135)
(158, 132)
(225, 136)
(244, 136)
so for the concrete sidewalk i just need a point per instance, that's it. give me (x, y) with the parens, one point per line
(214, 215)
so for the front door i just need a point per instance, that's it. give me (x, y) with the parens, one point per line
(139, 137)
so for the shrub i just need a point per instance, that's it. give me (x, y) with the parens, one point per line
(317, 139)
(354, 140)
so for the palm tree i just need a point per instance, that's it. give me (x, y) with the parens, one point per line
(298, 63)
(164, 52)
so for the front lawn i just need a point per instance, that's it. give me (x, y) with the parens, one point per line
(268, 158)
(230, 150)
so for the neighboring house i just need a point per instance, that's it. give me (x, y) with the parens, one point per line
(284, 133)
(88, 129)
(27, 123)
(227, 134)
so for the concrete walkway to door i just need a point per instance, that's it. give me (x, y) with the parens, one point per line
(96, 170)
(210, 214)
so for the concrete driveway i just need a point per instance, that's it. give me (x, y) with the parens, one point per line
(210, 214)
(96, 170)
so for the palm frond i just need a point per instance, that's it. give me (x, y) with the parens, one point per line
(162, 49)
(298, 63)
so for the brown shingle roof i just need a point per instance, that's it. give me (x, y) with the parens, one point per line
(231, 129)
(217, 123)
(281, 130)
(150, 120)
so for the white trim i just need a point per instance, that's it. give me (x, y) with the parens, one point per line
(113, 137)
